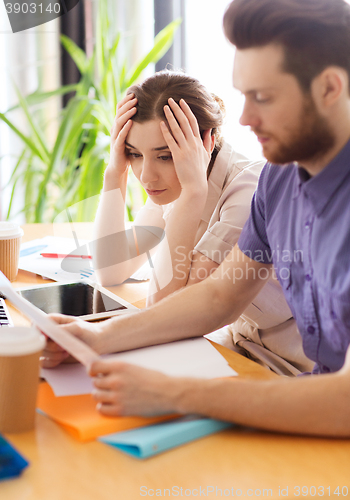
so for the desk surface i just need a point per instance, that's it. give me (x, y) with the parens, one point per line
(238, 462)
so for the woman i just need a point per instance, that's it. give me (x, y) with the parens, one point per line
(199, 189)
(167, 129)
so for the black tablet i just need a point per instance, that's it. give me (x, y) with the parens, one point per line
(81, 299)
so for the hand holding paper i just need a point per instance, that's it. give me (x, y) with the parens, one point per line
(126, 389)
(74, 346)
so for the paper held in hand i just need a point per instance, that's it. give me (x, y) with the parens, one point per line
(71, 344)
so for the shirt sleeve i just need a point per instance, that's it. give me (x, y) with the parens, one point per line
(150, 214)
(230, 214)
(253, 240)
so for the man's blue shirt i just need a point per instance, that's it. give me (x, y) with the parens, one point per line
(302, 226)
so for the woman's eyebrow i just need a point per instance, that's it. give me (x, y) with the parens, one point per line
(161, 148)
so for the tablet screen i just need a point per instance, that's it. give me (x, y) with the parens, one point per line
(74, 299)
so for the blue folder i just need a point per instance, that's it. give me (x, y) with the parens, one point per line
(11, 462)
(147, 441)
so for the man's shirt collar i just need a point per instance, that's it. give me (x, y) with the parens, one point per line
(320, 189)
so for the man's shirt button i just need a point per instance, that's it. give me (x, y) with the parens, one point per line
(310, 329)
(308, 277)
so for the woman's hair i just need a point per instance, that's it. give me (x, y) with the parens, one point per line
(153, 94)
(315, 34)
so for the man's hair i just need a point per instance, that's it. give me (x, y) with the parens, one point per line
(315, 34)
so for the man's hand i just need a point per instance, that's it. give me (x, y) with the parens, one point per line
(126, 389)
(53, 354)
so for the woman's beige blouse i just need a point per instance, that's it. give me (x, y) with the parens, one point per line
(266, 332)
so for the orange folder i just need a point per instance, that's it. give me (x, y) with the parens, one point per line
(78, 415)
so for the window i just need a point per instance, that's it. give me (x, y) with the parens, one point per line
(209, 57)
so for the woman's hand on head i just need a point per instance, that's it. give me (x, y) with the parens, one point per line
(119, 162)
(53, 354)
(191, 154)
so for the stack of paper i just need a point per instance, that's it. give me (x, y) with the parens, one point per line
(79, 417)
(184, 358)
(70, 402)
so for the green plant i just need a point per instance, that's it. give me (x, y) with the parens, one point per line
(71, 169)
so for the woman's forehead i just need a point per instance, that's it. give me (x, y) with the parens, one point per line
(146, 136)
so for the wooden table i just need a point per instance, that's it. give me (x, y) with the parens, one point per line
(235, 463)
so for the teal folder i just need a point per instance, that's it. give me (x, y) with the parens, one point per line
(148, 441)
(11, 462)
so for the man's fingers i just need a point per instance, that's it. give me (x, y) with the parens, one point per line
(105, 367)
(50, 360)
(110, 410)
(104, 396)
(61, 319)
(52, 347)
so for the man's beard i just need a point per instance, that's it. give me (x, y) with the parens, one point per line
(310, 141)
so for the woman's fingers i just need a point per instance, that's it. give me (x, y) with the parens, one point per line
(208, 140)
(169, 139)
(126, 108)
(182, 119)
(191, 118)
(123, 133)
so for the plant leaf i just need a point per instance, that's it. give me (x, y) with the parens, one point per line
(25, 139)
(76, 53)
(38, 97)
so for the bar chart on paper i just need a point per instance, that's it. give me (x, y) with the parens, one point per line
(77, 269)
(74, 269)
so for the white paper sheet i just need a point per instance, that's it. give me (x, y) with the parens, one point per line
(185, 358)
(31, 260)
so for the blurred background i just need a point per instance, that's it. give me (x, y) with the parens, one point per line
(60, 83)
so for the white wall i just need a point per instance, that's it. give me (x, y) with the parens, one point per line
(210, 59)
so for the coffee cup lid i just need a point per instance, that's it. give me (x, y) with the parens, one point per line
(10, 230)
(20, 340)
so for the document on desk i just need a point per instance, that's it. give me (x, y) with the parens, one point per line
(32, 261)
(185, 358)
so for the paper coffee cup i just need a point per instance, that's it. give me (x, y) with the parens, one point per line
(10, 242)
(20, 349)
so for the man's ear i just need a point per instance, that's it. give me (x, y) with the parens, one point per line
(329, 86)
